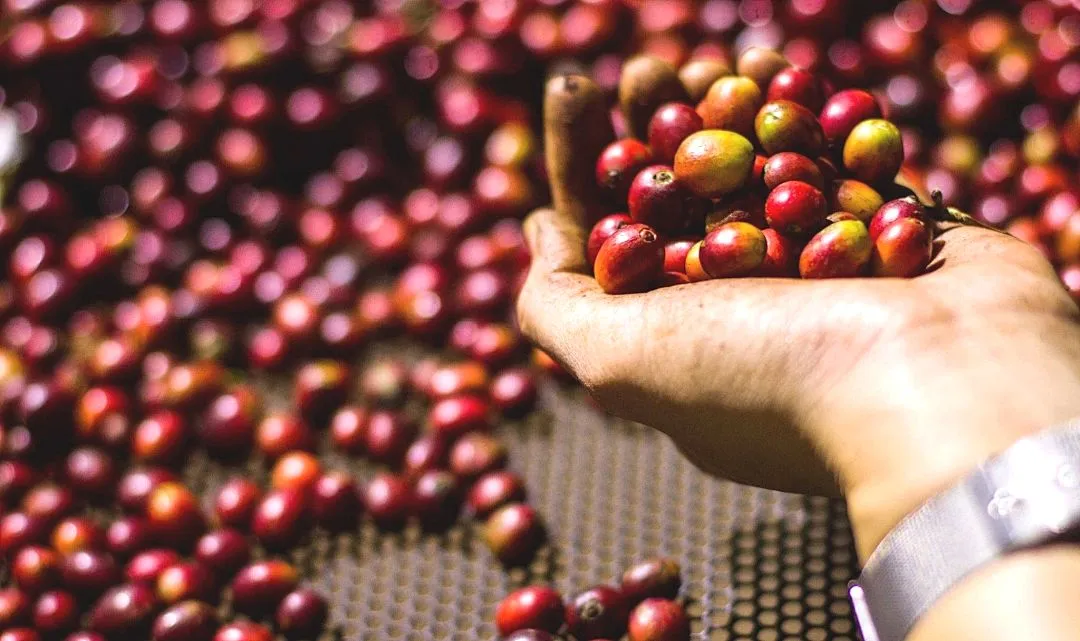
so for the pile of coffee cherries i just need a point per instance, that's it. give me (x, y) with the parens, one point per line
(643, 607)
(207, 258)
(805, 198)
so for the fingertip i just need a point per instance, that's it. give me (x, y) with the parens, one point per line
(645, 84)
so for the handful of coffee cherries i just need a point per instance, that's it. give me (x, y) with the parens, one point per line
(769, 175)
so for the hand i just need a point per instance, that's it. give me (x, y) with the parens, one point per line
(883, 390)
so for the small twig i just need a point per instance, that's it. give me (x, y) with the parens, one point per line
(940, 212)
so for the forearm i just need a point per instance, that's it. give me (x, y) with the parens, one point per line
(1029, 595)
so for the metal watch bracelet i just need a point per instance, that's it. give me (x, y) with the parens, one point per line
(1027, 496)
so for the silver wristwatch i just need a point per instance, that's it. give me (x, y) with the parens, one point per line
(1027, 496)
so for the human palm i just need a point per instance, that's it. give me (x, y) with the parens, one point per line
(883, 390)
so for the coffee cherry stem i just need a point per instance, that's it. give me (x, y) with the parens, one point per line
(941, 213)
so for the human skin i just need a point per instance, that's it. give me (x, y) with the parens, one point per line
(882, 391)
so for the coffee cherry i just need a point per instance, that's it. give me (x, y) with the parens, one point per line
(127, 536)
(91, 472)
(902, 250)
(123, 612)
(797, 85)
(235, 503)
(602, 230)
(320, 389)
(874, 151)
(694, 271)
(174, 514)
(514, 533)
(258, 588)
(630, 260)
(183, 581)
(302, 614)
(335, 501)
(598, 613)
(280, 433)
(841, 250)
(513, 392)
(453, 416)
(536, 607)
(788, 165)
(146, 567)
(659, 620)
(436, 499)
(783, 125)
(428, 452)
(48, 502)
(856, 198)
(74, 534)
(135, 487)
(35, 569)
(731, 104)
(656, 578)
(781, 255)
(675, 252)
(713, 162)
(18, 529)
(467, 377)
(103, 415)
(475, 454)
(760, 64)
(161, 438)
(845, 109)
(295, 471)
(387, 498)
(55, 613)
(348, 428)
(795, 207)
(387, 436)
(15, 608)
(384, 383)
(618, 164)
(893, 211)
(223, 551)
(733, 249)
(228, 425)
(494, 490)
(243, 631)
(88, 573)
(699, 73)
(186, 621)
(658, 199)
(16, 477)
(20, 634)
(669, 126)
(280, 518)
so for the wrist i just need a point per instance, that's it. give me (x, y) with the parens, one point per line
(953, 401)
(1027, 595)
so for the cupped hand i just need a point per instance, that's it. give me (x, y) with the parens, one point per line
(882, 390)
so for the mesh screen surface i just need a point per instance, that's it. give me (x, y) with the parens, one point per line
(757, 565)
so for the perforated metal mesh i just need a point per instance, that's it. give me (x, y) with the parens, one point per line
(757, 565)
